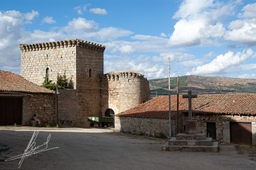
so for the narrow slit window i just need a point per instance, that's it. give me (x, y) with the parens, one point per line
(47, 72)
(90, 72)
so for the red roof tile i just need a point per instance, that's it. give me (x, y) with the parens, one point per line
(239, 103)
(10, 82)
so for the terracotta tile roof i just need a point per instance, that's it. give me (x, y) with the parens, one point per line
(10, 82)
(239, 103)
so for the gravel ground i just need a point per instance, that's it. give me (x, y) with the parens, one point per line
(95, 148)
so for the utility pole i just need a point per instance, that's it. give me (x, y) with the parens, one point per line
(57, 100)
(169, 94)
(178, 105)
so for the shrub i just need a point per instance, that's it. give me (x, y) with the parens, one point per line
(62, 82)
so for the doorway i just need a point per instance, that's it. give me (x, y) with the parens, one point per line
(109, 113)
(211, 130)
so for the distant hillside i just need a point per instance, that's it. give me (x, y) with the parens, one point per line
(202, 84)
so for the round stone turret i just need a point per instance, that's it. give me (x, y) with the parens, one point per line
(126, 89)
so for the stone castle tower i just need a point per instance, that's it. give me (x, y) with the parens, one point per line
(92, 92)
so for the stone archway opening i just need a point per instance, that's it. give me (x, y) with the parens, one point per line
(109, 113)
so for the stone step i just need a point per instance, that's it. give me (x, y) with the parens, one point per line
(185, 136)
(188, 148)
(205, 142)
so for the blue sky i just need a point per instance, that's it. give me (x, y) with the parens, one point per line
(201, 37)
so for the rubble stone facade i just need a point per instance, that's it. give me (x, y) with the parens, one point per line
(142, 126)
(223, 125)
(44, 105)
(92, 93)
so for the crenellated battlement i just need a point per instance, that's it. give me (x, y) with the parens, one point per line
(62, 44)
(115, 76)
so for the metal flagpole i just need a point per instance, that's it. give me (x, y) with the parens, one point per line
(169, 89)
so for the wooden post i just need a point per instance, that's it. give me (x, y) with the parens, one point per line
(178, 104)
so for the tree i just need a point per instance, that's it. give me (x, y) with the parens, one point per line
(61, 80)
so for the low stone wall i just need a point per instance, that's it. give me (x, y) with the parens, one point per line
(43, 105)
(154, 127)
(142, 126)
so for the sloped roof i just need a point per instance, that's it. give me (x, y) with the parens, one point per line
(10, 82)
(239, 103)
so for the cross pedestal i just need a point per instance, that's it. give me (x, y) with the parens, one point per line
(190, 124)
(191, 140)
(190, 127)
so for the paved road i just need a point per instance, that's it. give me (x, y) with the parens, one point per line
(82, 149)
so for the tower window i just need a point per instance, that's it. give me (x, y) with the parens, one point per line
(47, 72)
(90, 72)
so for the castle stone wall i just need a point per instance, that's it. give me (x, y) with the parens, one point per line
(59, 59)
(82, 62)
(43, 105)
(68, 106)
(125, 90)
(89, 70)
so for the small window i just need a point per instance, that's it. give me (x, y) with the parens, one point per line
(47, 72)
(90, 72)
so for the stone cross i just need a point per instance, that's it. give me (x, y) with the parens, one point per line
(189, 96)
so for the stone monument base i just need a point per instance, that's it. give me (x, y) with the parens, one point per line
(190, 127)
(191, 142)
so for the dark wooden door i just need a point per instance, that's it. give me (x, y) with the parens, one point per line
(2, 111)
(241, 132)
(10, 110)
(211, 129)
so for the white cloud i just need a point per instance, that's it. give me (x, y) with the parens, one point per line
(248, 11)
(191, 7)
(163, 35)
(141, 64)
(81, 24)
(110, 33)
(199, 22)
(186, 33)
(80, 9)
(189, 61)
(248, 76)
(244, 31)
(222, 63)
(126, 49)
(31, 15)
(41, 36)
(99, 11)
(175, 56)
(11, 30)
(48, 20)
(192, 63)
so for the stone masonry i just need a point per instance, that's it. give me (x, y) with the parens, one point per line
(43, 105)
(92, 92)
(142, 126)
(223, 125)
(125, 90)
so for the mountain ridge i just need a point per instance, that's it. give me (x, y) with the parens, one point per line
(203, 85)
